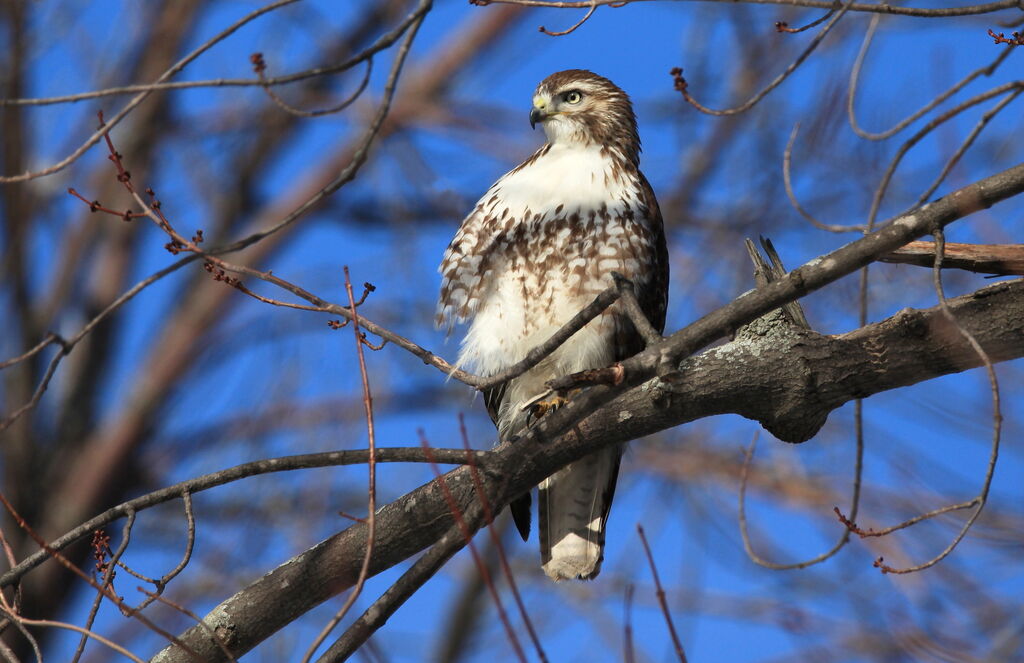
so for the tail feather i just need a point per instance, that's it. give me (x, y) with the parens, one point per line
(574, 504)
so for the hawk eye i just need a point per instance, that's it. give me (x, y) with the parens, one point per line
(573, 96)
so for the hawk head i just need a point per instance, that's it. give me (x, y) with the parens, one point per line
(578, 106)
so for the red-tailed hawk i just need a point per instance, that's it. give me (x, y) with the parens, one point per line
(538, 247)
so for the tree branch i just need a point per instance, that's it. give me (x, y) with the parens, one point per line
(1002, 259)
(229, 475)
(585, 424)
(773, 378)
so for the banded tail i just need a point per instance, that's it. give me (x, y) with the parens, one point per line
(574, 504)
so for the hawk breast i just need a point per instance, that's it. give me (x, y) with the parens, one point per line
(537, 248)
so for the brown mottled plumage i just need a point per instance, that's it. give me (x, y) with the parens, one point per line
(538, 247)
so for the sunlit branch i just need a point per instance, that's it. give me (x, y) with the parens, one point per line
(1001, 259)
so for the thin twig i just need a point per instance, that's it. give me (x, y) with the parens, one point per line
(968, 141)
(371, 488)
(682, 87)
(979, 501)
(851, 523)
(787, 156)
(361, 152)
(108, 579)
(51, 368)
(12, 561)
(154, 596)
(478, 486)
(844, 536)
(8, 653)
(14, 618)
(987, 70)
(47, 340)
(229, 475)
(660, 592)
(532, 358)
(1015, 38)
(783, 26)
(67, 345)
(629, 652)
(398, 593)
(190, 539)
(877, 8)
(383, 42)
(260, 67)
(85, 632)
(590, 12)
(467, 534)
(537, 354)
(105, 591)
(1012, 89)
(139, 98)
(631, 307)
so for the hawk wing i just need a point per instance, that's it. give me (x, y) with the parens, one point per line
(520, 506)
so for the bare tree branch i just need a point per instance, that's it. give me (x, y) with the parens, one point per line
(214, 479)
(1001, 259)
(767, 382)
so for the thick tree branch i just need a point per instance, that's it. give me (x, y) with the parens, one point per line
(787, 379)
(416, 520)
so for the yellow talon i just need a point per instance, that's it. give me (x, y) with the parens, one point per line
(541, 407)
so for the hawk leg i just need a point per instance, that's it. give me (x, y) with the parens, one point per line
(541, 407)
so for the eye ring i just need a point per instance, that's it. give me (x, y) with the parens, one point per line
(573, 97)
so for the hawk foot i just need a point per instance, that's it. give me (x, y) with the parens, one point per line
(541, 407)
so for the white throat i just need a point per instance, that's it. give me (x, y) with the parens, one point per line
(560, 131)
(569, 177)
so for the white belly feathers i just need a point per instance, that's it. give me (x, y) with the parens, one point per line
(565, 222)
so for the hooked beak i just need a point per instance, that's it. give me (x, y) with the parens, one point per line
(536, 115)
(539, 112)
